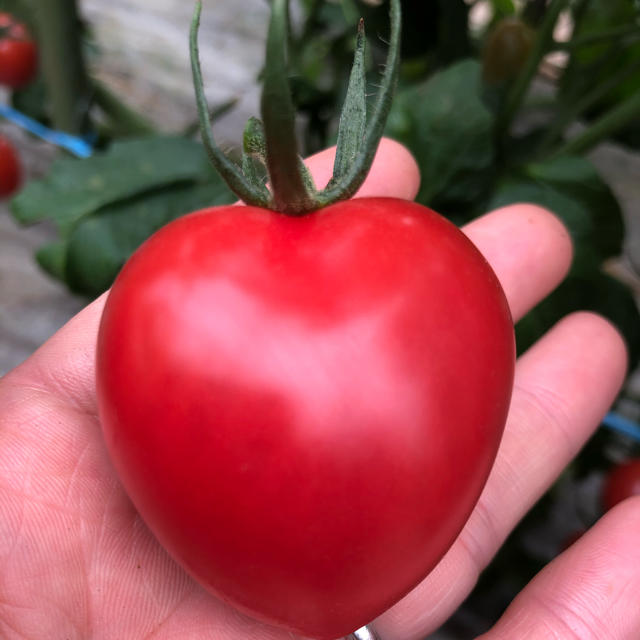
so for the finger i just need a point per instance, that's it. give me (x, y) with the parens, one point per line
(394, 173)
(528, 248)
(562, 390)
(590, 591)
(64, 365)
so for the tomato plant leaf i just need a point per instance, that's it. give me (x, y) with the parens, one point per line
(75, 188)
(100, 244)
(448, 129)
(52, 258)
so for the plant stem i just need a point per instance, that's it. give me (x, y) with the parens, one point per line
(575, 109)
(278, 116)
(310, 23)
(123, 117)
(598, 38)
(523, 81)
(62, 63)
(616, 119)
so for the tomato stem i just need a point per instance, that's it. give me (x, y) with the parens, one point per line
(278, 114)
(608, 124)
(273, 144)
(523, 81)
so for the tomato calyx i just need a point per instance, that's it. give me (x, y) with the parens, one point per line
(270, 146)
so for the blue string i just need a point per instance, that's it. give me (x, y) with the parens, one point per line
(80, 147)
(616, 422)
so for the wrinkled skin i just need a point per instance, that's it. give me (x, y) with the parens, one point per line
(77, 562)
(305, 410)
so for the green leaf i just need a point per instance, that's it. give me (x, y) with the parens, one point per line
(573, 190)
(592, 66)
(52, 258)
(449, 131)
(75, 188)
(101, 243)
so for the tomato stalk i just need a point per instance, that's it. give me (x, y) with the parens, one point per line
(63, 64)
(606, 36)
(271, 150)
(608, 124)
(290, 194)
(523, 81)
(574, 110)
(123, 118)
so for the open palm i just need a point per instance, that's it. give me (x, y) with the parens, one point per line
(76, 561)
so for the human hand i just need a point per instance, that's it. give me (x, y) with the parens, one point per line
(77, 562)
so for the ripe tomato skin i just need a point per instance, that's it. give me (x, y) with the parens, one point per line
(305, 410)
(10, 169)
(18, 54)
(622, 482)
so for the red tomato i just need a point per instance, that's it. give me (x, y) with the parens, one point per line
(18, 53)
(304, 410)
(10, 171)
(622, 482)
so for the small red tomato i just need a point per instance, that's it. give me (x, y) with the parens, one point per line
(305, 409)
(18, 53)
(10, 170)
(622, 482)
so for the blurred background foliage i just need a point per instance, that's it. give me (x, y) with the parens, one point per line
(500, 101)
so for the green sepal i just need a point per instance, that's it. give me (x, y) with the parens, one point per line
(231, 173)
(347, 185)
(308, 181)
(253, 141)
(254, 156)
(353, 119)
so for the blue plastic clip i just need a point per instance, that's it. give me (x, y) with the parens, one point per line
(616, 422)
(78, 146)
